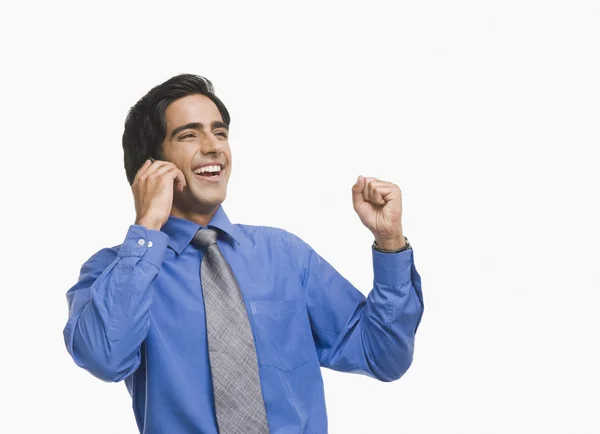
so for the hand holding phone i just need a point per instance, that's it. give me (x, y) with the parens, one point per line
(153, 188)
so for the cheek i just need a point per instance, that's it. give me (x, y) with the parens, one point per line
(182, 157)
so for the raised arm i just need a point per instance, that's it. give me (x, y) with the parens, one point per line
(371, 335)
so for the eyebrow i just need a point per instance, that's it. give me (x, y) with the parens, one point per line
(198, 126)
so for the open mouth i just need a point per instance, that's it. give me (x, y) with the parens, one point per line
(212, 172)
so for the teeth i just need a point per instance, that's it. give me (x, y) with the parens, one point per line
(208, 169)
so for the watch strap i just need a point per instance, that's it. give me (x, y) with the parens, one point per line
(379, 249)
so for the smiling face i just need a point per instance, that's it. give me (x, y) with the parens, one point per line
(196, 137)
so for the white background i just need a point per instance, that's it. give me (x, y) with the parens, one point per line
(485, 113)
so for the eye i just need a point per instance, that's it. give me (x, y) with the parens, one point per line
(221, 133)
(186, 136)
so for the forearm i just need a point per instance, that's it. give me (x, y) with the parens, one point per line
(109, 308)
(373, 335)
(391, 315)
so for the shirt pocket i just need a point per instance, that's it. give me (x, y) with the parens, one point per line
(281, 338)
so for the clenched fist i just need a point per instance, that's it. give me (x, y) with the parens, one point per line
(153, 188)
(379, 207)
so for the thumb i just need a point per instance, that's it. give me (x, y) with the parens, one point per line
(357, 189)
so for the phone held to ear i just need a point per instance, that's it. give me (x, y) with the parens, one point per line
(153, 160)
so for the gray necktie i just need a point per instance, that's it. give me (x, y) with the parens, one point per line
(236, 386)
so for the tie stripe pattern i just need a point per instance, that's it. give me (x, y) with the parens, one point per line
(236, 385)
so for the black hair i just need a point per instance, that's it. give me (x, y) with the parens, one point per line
(145, 125)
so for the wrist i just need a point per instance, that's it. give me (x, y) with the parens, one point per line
(391, 243)
(149, 223)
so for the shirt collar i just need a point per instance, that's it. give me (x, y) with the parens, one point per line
(182, 231)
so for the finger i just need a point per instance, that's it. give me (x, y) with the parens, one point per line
(179, 182)
(162, 168)
(156, 166)
(377, 197)
(367, 191)
(379, 191)
(159, 168)
(378, 183)
(172, 172)
(142, 169)
(385, 193)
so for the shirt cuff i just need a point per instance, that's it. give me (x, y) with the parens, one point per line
(392, 269)
(147, 244)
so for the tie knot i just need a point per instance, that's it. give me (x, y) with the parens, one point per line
(205, 238)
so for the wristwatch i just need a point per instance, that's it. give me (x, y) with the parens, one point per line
(379, 249)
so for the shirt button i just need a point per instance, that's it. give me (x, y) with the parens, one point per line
(149, 243)
(141, 242)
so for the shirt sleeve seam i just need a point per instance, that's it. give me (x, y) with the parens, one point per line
(400, 309)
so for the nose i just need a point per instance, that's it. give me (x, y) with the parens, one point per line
(211, 145)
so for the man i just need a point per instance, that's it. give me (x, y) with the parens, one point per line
(221, 327)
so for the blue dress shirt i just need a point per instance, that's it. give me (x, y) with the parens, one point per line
(137, 314)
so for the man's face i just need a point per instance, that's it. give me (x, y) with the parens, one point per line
(196, 137)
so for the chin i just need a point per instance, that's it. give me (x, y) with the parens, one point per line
(211, 201)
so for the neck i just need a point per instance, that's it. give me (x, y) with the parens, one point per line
(200, 217)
